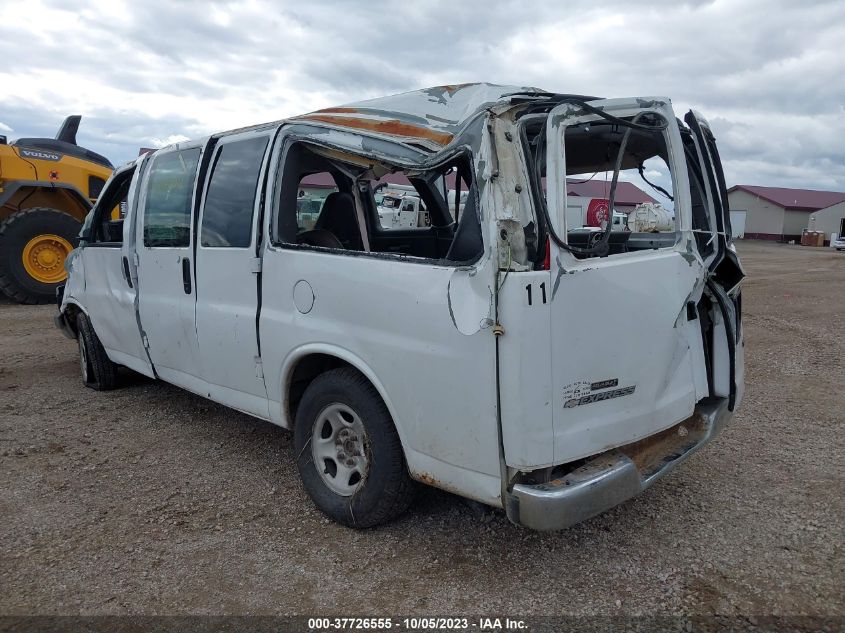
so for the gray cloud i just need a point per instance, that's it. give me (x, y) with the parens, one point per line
(767, 74)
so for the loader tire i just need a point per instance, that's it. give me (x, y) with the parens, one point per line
(98, 371)
(34, 244)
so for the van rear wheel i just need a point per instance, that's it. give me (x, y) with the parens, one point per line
(349, 454)
(98, 371)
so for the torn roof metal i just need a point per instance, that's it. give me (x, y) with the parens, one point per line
(432, 117)
(426, 120)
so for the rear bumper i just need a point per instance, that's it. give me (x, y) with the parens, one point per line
(610, 478)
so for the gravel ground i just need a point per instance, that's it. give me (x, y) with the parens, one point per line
(151, 500)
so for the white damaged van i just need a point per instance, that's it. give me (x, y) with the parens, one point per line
(490, 353)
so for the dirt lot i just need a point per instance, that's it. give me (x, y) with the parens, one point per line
(151, 500)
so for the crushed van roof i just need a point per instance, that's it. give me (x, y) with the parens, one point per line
(431, 116)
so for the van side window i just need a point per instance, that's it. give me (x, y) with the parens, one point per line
(167, 212)
(105, 226)
(230, 198)
(344, 202)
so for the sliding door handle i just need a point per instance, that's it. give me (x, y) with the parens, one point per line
(126, 274)
(186, 275)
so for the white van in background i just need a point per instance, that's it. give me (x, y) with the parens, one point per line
(489, 356)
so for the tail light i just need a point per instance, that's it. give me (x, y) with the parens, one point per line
(547, 260)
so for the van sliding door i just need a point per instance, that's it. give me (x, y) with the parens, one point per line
(227, 273)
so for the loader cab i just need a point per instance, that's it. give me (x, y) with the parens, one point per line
(63, 144)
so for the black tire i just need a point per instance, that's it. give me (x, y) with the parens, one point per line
(98, 372)
(15, 232)
(386, 490)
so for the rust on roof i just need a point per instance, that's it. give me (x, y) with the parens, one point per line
(435, 115)
(453, 88)
(392, 127)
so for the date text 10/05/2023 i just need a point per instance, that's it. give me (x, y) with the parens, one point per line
(485, 624)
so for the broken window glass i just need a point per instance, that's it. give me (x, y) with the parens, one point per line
(358, 205)
(643, 211)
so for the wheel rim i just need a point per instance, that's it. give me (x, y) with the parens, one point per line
(44, 258)
(83, 359)
(339, 447)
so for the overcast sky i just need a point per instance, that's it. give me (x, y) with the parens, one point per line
(769, 75)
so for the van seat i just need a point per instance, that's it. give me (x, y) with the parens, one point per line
(339, 217)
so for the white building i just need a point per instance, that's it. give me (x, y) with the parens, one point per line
(830, 220)
(778, 213)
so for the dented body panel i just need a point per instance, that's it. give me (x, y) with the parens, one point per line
(506, 377)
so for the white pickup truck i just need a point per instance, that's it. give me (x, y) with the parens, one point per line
(489, 356)
(400, 209)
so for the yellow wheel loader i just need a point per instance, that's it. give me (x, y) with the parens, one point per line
(47, 187)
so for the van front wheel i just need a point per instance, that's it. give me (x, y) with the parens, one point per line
(98, 372)
(349, 454)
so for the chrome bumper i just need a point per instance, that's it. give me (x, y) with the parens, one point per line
(612, 477)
